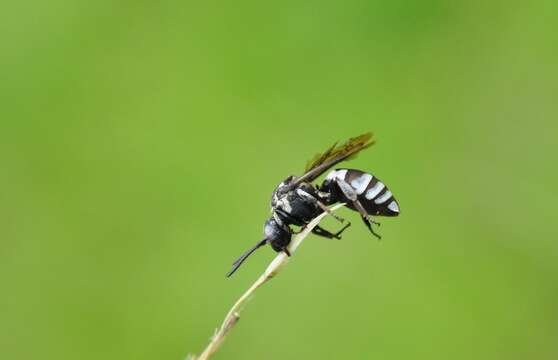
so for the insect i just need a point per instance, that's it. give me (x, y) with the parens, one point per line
(296, 201)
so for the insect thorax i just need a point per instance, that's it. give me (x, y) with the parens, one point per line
(289, 207)
(281, 192)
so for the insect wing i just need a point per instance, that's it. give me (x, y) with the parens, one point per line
(333, 155)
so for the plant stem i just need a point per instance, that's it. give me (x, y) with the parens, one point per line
(273, 269)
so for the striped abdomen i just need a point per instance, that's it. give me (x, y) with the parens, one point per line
(374, 196)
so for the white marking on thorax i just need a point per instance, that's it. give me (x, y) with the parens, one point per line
(374, 190)
(361, 183)
(324, 195)
(383, 198)
(302, 193)
(285, 205)
(393, 206)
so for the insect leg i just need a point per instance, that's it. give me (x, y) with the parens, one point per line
(329, 212)
(350, 194)
(366, 218)
(306, 196)
(317, 230)
(323, 232)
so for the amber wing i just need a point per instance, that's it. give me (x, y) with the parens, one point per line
(335, 154)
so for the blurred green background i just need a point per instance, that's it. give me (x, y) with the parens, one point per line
(140, 143)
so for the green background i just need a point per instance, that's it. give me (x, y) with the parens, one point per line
(140, 142)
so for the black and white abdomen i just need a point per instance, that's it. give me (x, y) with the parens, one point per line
(372, 193)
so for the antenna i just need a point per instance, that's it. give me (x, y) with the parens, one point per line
(244, 256)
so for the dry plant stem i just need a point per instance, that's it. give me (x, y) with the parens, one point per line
(274, 267)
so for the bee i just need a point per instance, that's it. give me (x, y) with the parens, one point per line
(296, 201)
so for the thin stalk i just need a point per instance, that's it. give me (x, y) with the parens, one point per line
(273, 269)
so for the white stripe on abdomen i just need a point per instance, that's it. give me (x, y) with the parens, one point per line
(393, 206)
(374, 190)
(383, 198)
(361, 183)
